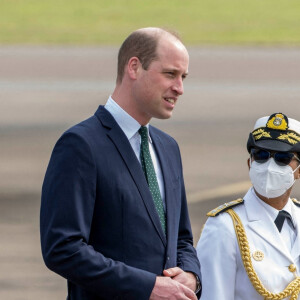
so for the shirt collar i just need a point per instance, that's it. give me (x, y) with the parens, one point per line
(128, 124)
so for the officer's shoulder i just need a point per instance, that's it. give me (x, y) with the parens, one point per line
(296, 202)
(225, 206)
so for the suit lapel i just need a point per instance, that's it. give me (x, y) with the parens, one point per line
(121, 142)
(168, 176)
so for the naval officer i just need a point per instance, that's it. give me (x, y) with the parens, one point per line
(249, 248)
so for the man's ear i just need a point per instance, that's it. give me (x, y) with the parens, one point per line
(133, 67)
(248, 163)
(298, 173)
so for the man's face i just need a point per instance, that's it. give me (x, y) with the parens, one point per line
(294, 163)
(158, 88)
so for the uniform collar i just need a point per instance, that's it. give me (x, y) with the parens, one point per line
(273, 212)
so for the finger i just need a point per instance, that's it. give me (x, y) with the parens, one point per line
(167, 273)
(189, 293)
(172, 272)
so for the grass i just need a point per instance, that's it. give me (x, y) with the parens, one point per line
(93, 22)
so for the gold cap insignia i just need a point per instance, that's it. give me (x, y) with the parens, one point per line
(258, 255)
(278, 122)
(276, 128)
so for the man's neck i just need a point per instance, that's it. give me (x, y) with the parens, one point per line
(126, 102)
(278, 202)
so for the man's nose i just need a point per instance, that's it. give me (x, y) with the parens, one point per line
(178, 86)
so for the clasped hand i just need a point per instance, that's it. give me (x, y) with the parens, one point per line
(176, 284)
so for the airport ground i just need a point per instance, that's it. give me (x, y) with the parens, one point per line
(43, 91)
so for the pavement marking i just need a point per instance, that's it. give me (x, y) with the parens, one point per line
(221, 191)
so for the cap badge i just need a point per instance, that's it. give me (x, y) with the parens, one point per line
(278, 121)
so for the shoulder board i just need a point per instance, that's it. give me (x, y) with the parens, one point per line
(224, 207)
(296, 202)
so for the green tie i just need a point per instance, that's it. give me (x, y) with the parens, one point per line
(149, 171)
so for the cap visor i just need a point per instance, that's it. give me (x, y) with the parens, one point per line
(274, 145)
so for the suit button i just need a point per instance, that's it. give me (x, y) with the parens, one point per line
(168, 258)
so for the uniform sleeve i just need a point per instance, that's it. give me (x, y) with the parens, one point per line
(68, 199)
(217, 252)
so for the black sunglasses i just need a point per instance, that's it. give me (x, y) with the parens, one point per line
(281, 158)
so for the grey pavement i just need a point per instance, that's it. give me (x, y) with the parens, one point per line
(43, 91)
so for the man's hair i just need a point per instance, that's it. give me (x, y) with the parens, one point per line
(140, 44)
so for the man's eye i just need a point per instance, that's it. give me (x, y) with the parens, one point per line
(171, 74)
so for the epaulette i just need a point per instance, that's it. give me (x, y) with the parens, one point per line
(224, 207)
(296, 202)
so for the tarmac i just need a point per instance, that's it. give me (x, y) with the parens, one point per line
(45, 90)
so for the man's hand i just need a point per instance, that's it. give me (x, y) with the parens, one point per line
(186, 278)
(168, 289)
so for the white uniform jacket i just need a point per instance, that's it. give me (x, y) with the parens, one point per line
(223, 273)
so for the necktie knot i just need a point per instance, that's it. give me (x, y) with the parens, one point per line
(282, 215)
(143, 131)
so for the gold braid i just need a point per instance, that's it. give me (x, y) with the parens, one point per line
(293, 287)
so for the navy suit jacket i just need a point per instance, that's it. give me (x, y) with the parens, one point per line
(99, 226)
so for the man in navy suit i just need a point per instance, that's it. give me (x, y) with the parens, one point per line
(100, 225)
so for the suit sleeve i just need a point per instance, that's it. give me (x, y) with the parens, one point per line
(186, 254)
(217, 252)
(68, 199)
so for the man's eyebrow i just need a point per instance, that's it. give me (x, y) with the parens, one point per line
(175, 71)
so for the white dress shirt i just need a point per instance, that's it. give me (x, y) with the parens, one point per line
(130, 128)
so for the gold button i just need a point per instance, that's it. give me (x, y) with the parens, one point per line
(292, 268)
(258, 255)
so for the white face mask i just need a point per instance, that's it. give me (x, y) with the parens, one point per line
(271, 180)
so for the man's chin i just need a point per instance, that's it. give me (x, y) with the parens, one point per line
(165, 115)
